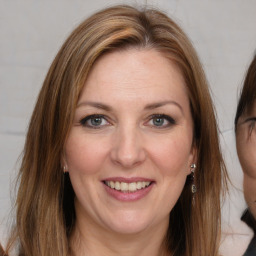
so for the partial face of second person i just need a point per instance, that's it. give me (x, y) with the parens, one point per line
(130, 148)
(246, 149)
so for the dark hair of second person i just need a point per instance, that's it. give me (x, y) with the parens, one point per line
(245, 127)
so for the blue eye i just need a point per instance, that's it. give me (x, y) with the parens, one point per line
(94, 121)
(158, 121)
(161, 121)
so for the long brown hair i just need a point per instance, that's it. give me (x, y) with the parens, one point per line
(45, 209)
(248, 93)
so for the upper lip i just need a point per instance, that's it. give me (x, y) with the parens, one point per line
(128, 180)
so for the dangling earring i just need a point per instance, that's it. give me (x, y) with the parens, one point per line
(193, 186)
(65, 169)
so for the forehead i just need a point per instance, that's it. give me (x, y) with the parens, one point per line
(130, 73)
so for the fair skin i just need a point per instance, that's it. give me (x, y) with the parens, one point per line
(128, 153)
(246, 144)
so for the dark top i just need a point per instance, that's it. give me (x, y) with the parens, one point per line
(251, 222)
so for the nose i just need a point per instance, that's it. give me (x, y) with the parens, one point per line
(127, 149)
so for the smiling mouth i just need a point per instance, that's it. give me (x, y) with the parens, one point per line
(127, 187)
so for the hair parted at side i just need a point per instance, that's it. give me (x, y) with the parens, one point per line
(45, 209)
(248, 93)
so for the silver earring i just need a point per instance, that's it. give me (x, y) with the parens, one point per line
(193, 186)
(65, 169)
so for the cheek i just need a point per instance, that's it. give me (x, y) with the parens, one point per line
(84, 155)
(250, 193)
(247, 156)
(173, 154)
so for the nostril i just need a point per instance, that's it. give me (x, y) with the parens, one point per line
(128, 160)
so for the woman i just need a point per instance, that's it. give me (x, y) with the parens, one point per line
(246, 142)
(122, 154)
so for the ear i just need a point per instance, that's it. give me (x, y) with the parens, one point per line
(192, 157)
(63, 163)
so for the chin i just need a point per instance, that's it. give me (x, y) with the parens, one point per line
(253, 210)
(129, 223)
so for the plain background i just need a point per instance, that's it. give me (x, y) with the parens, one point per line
(31, 32)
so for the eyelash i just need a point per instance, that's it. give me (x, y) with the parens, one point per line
(169, 119)
(84, 121)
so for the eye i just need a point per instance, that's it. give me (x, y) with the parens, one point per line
(94, 121)
(161, 121)
(251, 125)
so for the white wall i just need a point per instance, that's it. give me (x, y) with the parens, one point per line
(223, 32)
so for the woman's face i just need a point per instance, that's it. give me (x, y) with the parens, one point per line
(246, 149)
(130, 148)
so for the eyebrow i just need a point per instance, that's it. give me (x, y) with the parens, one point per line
(147, 107)
(95, 105)
(163, 103)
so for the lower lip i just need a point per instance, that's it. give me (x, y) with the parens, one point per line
(128, 196)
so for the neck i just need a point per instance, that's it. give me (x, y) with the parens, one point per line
(91, 240)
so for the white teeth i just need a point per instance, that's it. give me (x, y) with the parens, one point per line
(127, 187)
(124, 186)
(117, 185)
(138, 185)
(112, 184)
(132, 186)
